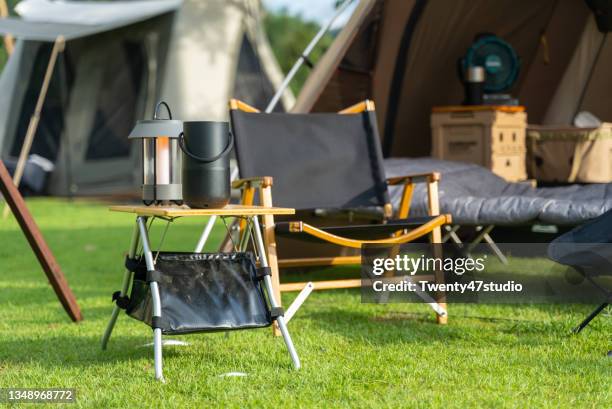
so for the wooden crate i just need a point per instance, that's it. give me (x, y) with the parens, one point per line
(490, 136)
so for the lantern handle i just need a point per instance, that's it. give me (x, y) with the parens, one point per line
(226, 150)
(158, 105)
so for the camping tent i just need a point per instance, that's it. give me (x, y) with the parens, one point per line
(104, 80)
(403, 54)
(219, 51)
(120, 58)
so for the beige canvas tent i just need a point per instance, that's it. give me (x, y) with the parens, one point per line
(403, 54)
(219, 50)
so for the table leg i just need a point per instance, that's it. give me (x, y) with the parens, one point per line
(205, 233)
(244, 239)
(263, 260)
(156, 313)
(127, 277)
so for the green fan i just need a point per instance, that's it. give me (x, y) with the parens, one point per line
(499, 60)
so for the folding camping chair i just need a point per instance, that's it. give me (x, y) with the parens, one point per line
(327, 163)
(588, 249)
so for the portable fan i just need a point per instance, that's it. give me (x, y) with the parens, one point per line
(498, 59)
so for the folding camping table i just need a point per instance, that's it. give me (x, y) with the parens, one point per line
(140, 233)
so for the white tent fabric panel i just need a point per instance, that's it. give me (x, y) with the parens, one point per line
(204, 53)
(564, 103)
(43, 20)
(205, 42)
(8, 88)
(93, 13)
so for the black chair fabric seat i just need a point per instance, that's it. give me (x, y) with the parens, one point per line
(360, 231)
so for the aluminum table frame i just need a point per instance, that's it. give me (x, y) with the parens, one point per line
(141, 235)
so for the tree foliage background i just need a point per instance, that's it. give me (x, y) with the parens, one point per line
(288, 36)
(3, 56)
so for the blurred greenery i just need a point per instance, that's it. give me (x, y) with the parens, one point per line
(289, 35)
(3, 56)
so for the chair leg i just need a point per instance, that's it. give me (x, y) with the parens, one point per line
(436, 239)
(127, 277)
(156, 313)
(590, 318)
(265, 194)
(263, 259)
(433, 207)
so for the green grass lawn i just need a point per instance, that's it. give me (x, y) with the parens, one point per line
(353, 354)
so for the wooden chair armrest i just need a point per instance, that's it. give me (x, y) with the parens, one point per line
(416, 178)
(426, 228)
(362, 106)
(408, 181)
(236, 104)
(263, 181)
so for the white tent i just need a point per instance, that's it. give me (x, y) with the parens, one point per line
(219, 50)
(108, 75)
(120, 57)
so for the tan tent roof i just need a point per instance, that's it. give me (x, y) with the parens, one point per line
(403, 54)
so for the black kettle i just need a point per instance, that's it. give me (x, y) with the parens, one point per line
(206, 147)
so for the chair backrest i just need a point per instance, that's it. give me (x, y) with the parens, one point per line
(317, 160)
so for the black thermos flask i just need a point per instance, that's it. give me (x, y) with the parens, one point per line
(474, 85)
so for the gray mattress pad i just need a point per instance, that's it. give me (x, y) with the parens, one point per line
(474, 195)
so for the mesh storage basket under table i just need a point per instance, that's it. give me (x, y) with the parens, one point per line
(201, 292)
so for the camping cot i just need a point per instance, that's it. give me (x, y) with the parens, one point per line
(476, 197)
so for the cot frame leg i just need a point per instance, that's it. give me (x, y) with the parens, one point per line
(155, 297)
(483, 235)
(263, 260)
(489, 240)
(452, 234)
(127, 278)
(590, 317)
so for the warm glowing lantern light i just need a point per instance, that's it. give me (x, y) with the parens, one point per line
(161, 158)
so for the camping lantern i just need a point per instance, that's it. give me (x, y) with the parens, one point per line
(161, 159)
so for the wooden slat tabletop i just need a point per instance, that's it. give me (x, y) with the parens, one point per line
(184, 211)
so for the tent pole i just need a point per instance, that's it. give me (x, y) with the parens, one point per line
(9, 41)
(39, 245)
(58, 47)
(304, 57)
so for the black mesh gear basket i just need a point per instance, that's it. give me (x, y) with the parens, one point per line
(201, 293)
